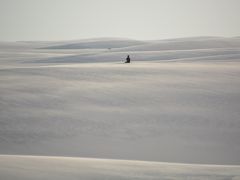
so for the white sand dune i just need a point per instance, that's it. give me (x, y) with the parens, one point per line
(120, 44)
(208, 54)
(178, 112)
(186, 44)
(50, 168)
(102, 43)
(198, 48)
(172, 105)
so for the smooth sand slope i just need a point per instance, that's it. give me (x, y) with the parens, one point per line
(59, 168)
(178, 112)
(168, 105)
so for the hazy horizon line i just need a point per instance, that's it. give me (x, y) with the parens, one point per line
(120, 38)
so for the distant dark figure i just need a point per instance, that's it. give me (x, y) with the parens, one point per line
(128, 59)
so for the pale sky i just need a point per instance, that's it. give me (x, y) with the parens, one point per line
(136, 19)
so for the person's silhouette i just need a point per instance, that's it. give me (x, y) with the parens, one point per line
(128, 59)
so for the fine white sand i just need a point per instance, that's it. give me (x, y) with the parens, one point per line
(50, 168)
(173, 103)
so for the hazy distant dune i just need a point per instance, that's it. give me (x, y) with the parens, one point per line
(108, 56)
(62, 168)
(155, 45)
(98, 44)
(187, 44)
(116, 50)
